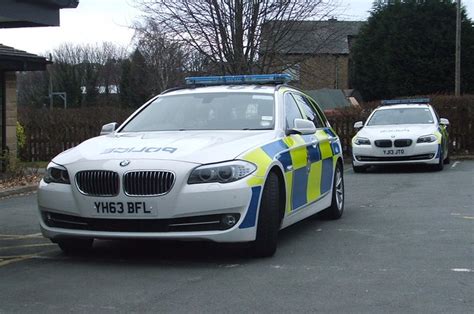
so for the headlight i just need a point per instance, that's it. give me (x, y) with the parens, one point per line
(427, 139)
(223, 173)
(56, 174)
(362, 141)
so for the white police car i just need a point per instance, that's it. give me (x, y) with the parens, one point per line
(227, 159)
(401, 131)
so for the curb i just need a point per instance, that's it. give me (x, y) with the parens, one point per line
(18, 190)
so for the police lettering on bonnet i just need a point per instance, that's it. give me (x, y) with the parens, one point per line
(201, 162)
(122, 150)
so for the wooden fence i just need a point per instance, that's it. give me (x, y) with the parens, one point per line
(50, 132)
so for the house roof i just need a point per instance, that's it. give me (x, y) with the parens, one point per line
(314, 37)
(31, 13)
(329, 98)
(12, 59)
(60, 4)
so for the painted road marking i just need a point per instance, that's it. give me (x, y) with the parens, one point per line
(455, 164)
(19, 236)
(468, 217)
(462, 270)
(6, 260)
(26, 246)
(14, 260)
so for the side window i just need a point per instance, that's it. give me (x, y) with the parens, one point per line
(321, 114)
(292, 111)
(309, 111)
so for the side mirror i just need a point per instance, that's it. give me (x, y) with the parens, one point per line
(444, 121)
(358, 125)
(108, 128)
(303, 127)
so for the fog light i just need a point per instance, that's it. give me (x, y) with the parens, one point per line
(228, 220)
(431, 156)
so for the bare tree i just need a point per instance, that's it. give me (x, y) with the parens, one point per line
(230, 33)
(85, 71)
(164, 59)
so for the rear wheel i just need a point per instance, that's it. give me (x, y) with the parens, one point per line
(70, 246)
(337, 204)
(268, 225)
(447, 160)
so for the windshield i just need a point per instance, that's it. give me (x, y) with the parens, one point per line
(211, 111)
(401, 116)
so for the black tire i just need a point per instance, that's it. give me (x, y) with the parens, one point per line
(71, 246)
(336, 209)
(265, 244)
(447, 160)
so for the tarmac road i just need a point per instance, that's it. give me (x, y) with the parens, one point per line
(405, 244)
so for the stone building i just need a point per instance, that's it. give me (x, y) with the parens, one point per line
(316, 53)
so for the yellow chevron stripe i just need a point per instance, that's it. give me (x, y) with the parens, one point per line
(313, 190)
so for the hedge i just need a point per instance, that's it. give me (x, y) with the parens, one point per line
(49, 132)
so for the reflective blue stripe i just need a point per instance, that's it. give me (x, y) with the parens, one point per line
(329, 132)
(272, 149)
(326, 176)
(314, 153)
(285, 159)
(300, 183)
(250, 217)
(309, 138)
(336, 148)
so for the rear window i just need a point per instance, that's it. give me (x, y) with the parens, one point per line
(401, 116)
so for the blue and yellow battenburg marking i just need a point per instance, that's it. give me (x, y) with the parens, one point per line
(308, 169)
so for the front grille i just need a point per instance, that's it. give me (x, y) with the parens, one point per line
(402, 143)
(98, 182)
(186, 224)
(398, 158)
(383, 143)
(143, 183)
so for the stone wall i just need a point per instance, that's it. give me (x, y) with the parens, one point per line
(322, 71)
(10, 112)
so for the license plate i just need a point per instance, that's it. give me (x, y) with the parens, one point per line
(394, 152)
(123, 208)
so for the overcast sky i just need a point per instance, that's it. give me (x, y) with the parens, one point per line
(95, 21)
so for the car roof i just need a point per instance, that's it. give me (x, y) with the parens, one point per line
(260, 89)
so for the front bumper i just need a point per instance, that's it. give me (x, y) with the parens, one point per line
(424, 153)
(187, 212)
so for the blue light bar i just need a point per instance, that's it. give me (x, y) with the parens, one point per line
(239, 79)
(406, 101)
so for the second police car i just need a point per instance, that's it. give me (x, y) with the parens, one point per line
(401, 131)
(226, 159)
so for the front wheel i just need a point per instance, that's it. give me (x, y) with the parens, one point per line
(337, 204)
(268, 225)
(71, 246)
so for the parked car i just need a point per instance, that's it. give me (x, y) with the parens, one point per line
(225, 159)
(402, 131)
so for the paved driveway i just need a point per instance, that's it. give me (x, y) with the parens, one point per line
(405, 244)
